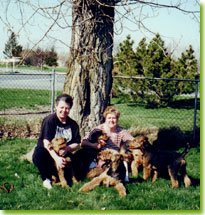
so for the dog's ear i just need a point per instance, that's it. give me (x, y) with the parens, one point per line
(145, 138)
(147, 145)
(94, 134)
(115, 157)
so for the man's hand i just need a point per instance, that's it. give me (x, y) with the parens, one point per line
(70, 148)
(62, 152)
(60, 162)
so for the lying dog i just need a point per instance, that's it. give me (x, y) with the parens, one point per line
(107, 154)
(112, 174)
(57, 144)
(157, 160)
(96, 136)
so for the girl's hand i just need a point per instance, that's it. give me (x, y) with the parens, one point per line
(102, 142)
(97, 146)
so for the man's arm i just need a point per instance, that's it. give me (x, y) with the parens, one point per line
(60, 161)
(70, 148)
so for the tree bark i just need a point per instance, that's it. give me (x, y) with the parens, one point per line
(89, 76)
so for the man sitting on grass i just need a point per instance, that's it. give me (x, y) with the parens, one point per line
(58, 124)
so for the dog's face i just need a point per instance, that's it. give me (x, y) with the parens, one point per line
(102, 139)
(58, 143)
(108, 155)
(111, 157)
(137, 153)
(97, 136)
(138, 142)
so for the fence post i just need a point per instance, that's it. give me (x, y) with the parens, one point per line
(195, 110)
(53, 90)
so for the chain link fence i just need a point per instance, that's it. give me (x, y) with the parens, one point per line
(25, 93)
(31, 95)
(182, 111)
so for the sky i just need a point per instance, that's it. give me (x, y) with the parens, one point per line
(176, 29)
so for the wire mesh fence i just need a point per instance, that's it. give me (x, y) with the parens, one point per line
(29, 92)
(139, 105)
(31, 95)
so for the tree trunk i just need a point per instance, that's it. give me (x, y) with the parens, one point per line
(89, 76)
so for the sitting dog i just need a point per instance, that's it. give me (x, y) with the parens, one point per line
(137, 154)
(157, 160)
(136, 162)
(113, 172)
(56, 144)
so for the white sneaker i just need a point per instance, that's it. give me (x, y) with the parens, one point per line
(92, 165)
(47, 184)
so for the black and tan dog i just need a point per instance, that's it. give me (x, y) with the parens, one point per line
(113, 172)
(57, 144)
(97, 136)
(86, 155)
(156, 160)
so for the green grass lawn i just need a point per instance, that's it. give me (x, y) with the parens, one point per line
(21, 98)
(161, 117)
(28, 193)
(133, 115)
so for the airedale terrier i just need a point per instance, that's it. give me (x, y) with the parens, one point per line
(56, 144)
(156, 160)
(113, 172)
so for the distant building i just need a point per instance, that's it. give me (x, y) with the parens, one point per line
(12, 61)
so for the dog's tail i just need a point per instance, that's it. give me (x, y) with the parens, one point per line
(186, 150)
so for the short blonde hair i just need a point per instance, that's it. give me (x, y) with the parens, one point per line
(110, 110)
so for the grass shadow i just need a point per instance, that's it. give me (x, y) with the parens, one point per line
(185, 104)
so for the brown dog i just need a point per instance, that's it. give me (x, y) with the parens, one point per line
(56, 144)
(157, 160)
(112, 174)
